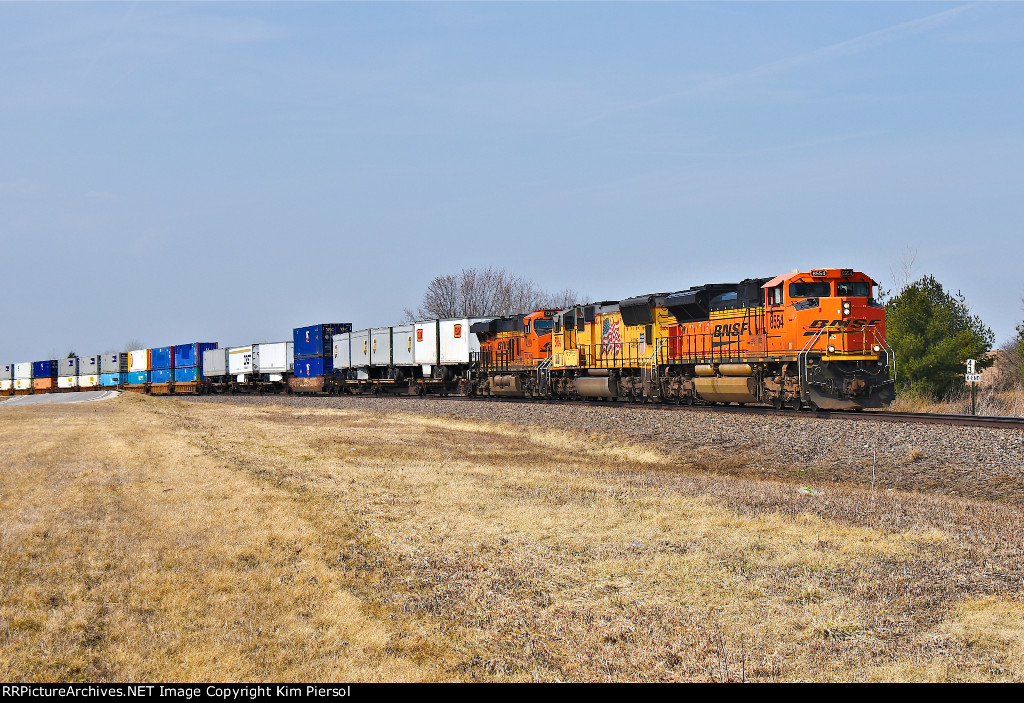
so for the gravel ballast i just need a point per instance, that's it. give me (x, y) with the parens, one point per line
(973, 462)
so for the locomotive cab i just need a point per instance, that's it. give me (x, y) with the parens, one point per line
(831, 320)
(511, 349)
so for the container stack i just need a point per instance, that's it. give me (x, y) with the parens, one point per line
(137, 378)
(6, 379)
(89, 372)
(23, 378)
(113, 369)
(314, 355)
(188, 369)
(161, 369)
(67, 373)
(44, 376)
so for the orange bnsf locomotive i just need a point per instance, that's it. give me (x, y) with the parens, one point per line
(812, 339)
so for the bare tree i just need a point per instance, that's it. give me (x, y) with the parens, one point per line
(489, 291)
(1007, 371)
(903, 273)
(133, 344)
(565, 298)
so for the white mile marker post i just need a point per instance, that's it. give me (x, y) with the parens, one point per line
(972, 378)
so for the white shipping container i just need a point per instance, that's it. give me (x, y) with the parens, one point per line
(274, 357)
(457, 342)
(6, 384)
(138, 360)
(23, 371)
(7, 372)
(360, 348)
(240, 361)
(67, 367)
(342, 351)
(90, 381)
(215, 363)
(425, 344)
(22, 384)
(67, 381)
(402, 352)
(380, 346)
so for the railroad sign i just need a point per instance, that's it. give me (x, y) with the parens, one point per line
(970, 367)
(974, 378)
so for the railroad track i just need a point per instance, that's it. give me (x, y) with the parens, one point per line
(990, 421)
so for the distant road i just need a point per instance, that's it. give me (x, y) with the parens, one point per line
(78, 397)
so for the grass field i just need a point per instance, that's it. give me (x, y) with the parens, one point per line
(154, 539)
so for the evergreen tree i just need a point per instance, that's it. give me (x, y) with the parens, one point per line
(933, 333)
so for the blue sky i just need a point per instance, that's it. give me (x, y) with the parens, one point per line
(225, 172)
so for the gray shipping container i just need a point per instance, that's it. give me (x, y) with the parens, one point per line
(89, 365)
(67, 367)
(402, 347)
(7, 372)
(114, 363)
(342, 351)
(360, 348)
(273, 357)
(380, 346)
(215, 363)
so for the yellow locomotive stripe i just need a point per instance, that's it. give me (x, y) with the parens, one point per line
(849, 358)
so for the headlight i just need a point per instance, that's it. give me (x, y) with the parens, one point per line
(876, 348)
(846, 307)
(831, 350)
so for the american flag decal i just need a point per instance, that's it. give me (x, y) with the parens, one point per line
(611, 340)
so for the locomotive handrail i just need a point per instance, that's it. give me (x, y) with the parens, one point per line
(649, 368)
(544, 374)
(890, 353)
(801, 362)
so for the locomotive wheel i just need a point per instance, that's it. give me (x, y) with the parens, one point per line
(795, 404)
(778, 403)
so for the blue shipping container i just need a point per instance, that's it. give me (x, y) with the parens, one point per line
(189, 374)
(314, 366)
(191, 354)
(136, 378)
(161, 375)
(161, 358)
(317, 340)
(44, 369)
(111, 379)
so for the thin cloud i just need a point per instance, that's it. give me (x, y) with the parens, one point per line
(865, 42)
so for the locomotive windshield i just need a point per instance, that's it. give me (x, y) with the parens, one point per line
(542, 326)
(853, 289)
(810, 289)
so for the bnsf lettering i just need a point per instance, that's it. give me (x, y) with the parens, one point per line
(733, 330)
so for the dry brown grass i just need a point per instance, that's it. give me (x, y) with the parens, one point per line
(157, 539)
(1006, 402)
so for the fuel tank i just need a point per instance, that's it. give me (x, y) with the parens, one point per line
(597, 387)
(727, 389)
(506, 385)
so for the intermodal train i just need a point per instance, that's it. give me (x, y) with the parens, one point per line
(806, 339)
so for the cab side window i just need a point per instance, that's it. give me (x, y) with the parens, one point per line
(810, 289)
